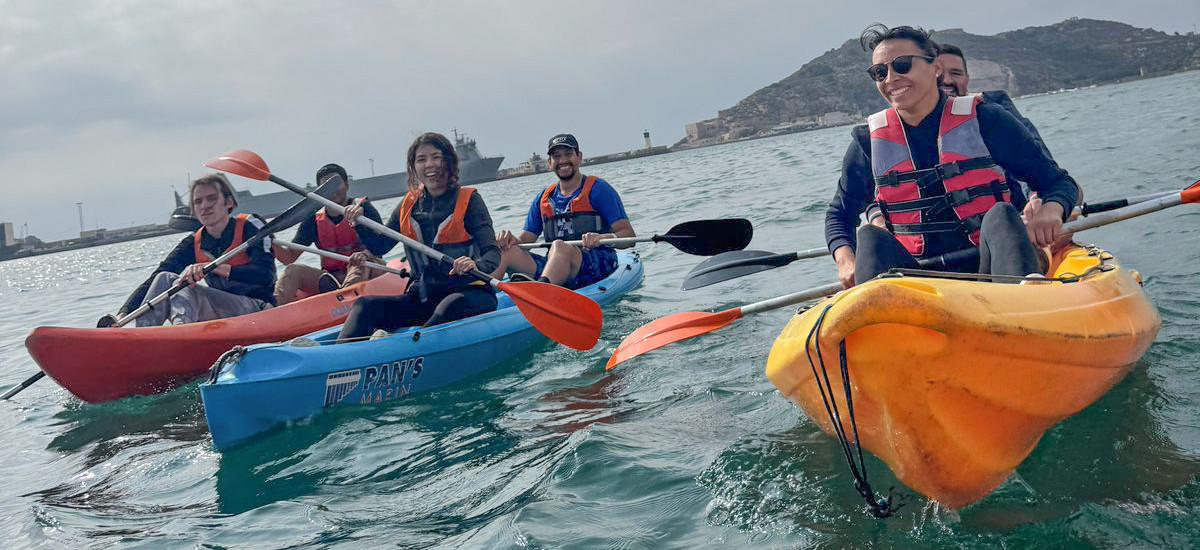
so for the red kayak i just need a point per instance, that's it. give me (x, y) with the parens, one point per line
(98, 364)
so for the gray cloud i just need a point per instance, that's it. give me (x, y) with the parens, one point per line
(110, 102)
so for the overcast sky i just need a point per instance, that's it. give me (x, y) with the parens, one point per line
(112, 102)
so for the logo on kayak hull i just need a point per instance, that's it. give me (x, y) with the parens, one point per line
(339, 384)
(386, 381)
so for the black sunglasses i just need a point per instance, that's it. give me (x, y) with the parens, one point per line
(901, 64)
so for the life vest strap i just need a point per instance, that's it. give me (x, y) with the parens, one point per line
(887, 216)
(968, 225)
(951, 199)
(940, 172)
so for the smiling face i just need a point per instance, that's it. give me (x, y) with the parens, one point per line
(209, 205)
(430, 166)
(955, 77)
(564, 161)
(913, 91)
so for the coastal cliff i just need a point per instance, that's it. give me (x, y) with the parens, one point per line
(833, 89)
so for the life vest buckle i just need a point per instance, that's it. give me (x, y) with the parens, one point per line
(949, 170)
(959, 197)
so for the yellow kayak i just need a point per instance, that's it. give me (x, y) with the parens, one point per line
(954, 381)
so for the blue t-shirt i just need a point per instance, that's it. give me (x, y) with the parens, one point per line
(603, 197)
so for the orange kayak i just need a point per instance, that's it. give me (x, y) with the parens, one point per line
(98, 364)
(954, 381)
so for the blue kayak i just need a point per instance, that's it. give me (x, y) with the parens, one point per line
(259, 387)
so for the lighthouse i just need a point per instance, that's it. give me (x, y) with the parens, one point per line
(646, 134)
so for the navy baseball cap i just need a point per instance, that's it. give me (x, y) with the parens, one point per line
(562, 140)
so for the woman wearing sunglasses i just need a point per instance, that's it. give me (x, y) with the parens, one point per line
(929, 171)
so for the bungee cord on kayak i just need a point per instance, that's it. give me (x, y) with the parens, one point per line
(880, 507)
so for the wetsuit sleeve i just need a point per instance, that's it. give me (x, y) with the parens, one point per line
(306, 233)
(365, 233)
(376, 243)
(1015, 149)
(479, 226)
(1000, 97)
(533, 220)
(855, 190)
(260, 270)
(607, 202)
(183, 255)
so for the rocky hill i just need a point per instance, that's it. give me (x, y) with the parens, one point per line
(834, 89)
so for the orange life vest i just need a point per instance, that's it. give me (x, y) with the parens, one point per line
(579, 218)
(971, 180)
(238, 238)
(452, 230)
(451, 238)
(339, 238)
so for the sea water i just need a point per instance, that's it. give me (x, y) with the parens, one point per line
(689, 446)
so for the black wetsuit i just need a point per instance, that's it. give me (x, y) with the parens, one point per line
(1011, 145)
(433, 296)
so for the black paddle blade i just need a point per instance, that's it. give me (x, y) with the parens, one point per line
(709, 237)
(731, 265)
(303, 209)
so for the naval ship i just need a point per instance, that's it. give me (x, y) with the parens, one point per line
(473, 167)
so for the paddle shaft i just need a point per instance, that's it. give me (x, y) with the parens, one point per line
(615, 241)
(149, 305)
(179, 285)
(336, 256)
(1152, 204)
(936, 262)
(385, 231)
(1147, 204)
(19, 387)
(141, 310)
(1088, 209)
(1085, 210)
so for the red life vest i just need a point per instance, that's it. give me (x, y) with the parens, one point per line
(238, 238)
(339, 237)
(971, 181)
(580, 217)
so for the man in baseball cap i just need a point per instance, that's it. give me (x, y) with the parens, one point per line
(575, 207)
(563, 140)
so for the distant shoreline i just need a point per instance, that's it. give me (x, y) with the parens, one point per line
(667, 151)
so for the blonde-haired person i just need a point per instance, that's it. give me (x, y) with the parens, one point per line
(242, 285)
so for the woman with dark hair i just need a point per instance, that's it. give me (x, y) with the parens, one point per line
(440, 213)
(932, 170)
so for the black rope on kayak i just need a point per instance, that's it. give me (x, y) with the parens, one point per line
(880, 507)
(233, 355)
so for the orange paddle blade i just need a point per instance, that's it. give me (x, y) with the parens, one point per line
(242, 162)
(564, 315)
(1191, 193)
(672, 328)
